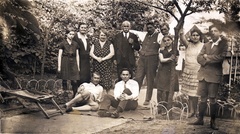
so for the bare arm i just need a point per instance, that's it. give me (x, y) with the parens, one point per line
(78, 60)
(162, 59)
(59, 59)
(110, 55)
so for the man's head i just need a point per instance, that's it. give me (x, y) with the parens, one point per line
(150, 28)
(215, 32)
(126, 25)
(83, 28)
(164, 28)
(125, 74)
(95, 78)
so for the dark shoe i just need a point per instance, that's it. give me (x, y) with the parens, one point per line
(191, 115)
(104, 113)
(146, 103)
(213, 125)
(198, 122)
(69, 110)
(115, 114)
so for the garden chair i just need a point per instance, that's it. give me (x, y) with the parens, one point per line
(33, 96)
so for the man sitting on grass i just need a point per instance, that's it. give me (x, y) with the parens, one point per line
(88, 95)
(125, 96)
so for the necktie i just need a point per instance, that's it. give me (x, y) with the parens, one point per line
(125, 35)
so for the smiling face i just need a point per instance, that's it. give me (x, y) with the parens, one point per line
(95, 79)
(164, 30)
(150, 29)
(167, 41)
(102, 37)
(83, 28)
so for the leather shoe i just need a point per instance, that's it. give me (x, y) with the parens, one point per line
(198, 122)
(146, 103)
(115, 114)
(104, 113)
(69, 110)
(213, 125)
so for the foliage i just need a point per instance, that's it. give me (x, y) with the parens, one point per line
(22, 34)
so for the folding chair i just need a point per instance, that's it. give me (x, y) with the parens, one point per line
(34, 96)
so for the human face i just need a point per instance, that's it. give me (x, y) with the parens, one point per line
(83, 29)
(125, 75)
(164, 29)
(167, 41)
(214, 33)
(125, 27)
(195, 37)
(70, 35)
(95, 79)
(150, 29)
(102, 37)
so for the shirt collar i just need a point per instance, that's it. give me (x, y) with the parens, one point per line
(81, 35)
(216, 42)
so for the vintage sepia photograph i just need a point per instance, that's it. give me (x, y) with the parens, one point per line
(120, 66)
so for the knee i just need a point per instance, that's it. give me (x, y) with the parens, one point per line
(94, 107)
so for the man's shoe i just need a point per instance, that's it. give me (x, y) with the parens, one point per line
(213, 125)
(104, 113)
(69, 110)
(198, 122)
(146, 103)
(115, 114)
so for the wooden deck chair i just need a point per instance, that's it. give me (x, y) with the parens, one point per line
(36, 97)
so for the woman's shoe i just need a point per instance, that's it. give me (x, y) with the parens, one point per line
(191, 115)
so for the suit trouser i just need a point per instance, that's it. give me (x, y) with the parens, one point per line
(147, 65)
(109, 100)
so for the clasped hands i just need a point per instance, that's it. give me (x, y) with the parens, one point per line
(100, 59)
(124, 96)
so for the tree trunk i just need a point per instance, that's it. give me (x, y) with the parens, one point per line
(173, 70)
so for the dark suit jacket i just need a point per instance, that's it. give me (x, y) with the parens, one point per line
(123, 49)
(211, 68)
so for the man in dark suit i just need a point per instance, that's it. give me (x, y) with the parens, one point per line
(124, 45)
(84, 49)
(210, 58)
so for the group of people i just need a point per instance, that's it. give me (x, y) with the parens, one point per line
(201, 74)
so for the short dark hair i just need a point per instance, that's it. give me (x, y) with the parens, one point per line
(82, 23)
(150, 23)
(126, 69)
(164, 24)
(97, 73)
(216, 26)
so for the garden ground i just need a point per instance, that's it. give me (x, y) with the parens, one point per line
(35, 122)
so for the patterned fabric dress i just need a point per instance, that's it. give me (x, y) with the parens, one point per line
(189, 76)
(69, 69)
(105, 67)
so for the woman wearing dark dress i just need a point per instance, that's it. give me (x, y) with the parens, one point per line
(84, 48)
(102, 51)
(164, 71)
(68, 62)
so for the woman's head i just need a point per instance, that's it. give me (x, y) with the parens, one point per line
(103, 35)
(70, 33)
(83, 28)
(196, 36)
(167, 40)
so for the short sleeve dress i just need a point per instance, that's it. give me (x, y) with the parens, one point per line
(190, 71)
(104, 67)
(69, 70)
(163, 78)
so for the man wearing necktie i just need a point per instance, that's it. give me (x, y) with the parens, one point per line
(125, 43)
(210, 73)
(125, 96)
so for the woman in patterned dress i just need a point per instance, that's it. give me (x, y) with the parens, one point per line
(68, 62)
(189, 76)
(102, 51)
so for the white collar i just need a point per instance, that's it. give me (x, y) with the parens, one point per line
(81, 35)
(216, 42)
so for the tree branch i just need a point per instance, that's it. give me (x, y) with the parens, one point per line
(168, 11)
(187, 8)
(178, 7)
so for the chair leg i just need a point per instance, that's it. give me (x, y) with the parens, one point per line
(43, 110)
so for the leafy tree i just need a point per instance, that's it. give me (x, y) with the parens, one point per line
(20, 35)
